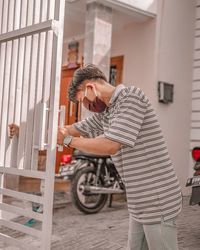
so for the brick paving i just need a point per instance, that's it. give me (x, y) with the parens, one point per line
(73, 230)
(108, 229)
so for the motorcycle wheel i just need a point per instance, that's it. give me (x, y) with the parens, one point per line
(85, 202)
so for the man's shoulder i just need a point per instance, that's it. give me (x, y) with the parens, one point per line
(133, 93)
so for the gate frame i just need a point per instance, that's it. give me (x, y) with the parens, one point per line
(55, 25)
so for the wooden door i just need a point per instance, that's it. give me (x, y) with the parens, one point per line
(116, 70)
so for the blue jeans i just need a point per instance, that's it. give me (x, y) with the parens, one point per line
(162, 236)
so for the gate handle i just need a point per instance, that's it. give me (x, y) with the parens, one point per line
(42, 145)
(62, 122)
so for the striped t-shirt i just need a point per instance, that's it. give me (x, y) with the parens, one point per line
(152, 188)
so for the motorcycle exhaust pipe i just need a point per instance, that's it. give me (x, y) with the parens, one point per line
(101, 190)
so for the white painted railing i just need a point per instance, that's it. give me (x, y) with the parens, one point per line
(30, 64)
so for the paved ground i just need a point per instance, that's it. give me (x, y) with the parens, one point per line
(108, 229)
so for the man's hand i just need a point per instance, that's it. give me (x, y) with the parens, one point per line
(62, 133)
(13, 130)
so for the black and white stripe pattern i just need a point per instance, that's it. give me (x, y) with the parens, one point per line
(143, 162)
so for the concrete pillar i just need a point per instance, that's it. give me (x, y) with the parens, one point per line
(98, 35)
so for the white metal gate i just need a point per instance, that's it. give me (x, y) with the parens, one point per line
(30, 63)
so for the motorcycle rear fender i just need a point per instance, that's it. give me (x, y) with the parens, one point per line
(81, 164)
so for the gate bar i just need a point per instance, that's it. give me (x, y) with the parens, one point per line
(26, 173)
(21, 211)
(30, 30)
(22, 195)
(19, 227)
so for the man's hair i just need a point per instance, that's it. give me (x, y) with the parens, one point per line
(89, 72)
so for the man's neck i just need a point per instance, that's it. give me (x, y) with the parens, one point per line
(107, 93)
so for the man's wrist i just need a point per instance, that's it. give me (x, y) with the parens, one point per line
(67, 140)
(67, 132)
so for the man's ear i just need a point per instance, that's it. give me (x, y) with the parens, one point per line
(89, 85)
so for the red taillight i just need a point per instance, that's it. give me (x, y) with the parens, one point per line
(66, 159)
(196, 153)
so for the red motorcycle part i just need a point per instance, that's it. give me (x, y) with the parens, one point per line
(196, 153)
(66, 159)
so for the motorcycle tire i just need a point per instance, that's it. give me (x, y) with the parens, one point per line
(86, 203)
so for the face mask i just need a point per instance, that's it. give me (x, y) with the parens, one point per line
(96, 106)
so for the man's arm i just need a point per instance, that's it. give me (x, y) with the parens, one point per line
(65, 131)
(13, 130)
(98, 145)
(89, 127)
(70, 130)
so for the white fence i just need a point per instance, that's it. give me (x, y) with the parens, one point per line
(30, 63)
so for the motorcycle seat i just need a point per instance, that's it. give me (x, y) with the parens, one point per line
(87, 155)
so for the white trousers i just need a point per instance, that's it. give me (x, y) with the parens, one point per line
(162, 236)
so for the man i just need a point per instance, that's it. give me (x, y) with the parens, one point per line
(131, 134)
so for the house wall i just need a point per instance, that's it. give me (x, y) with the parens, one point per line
(137, 43)
(145, 5)
(174, 50)
(161, 49)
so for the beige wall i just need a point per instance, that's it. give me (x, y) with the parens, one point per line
(175, 42)
(162, 49)
(137, 43)
(164, 55)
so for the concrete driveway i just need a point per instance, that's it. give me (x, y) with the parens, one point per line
(108, 229)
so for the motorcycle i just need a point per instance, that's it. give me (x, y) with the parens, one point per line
(194, 182)
(93, 178)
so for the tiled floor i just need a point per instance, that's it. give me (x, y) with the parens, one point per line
(73, 230)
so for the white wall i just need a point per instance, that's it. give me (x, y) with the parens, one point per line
(146, 5)
(137, 43)
(175, 41)
(163, 50)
